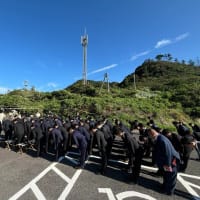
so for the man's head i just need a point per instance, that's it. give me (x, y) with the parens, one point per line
(166, 133)
(93, 129)
(152, 133)
(75, 124)
(119, 132)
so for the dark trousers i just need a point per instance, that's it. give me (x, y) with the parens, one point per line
(8, 135)
(185, 157)
(58, 150)
(104, 160)
(90, 144)
(130, 160)
(83, 156)
(137, 164)
(109, 146)
(170, 178)
(39, 145)
(65, 143)
(19, 138)
(47, 135)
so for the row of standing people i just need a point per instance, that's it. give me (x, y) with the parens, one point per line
(87, 133)
(184, 140)
(44, 132)
(61, 134)
(170, 151)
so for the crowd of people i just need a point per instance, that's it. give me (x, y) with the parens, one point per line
(169, 151)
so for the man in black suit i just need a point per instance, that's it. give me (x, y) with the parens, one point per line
(19, 130)
(102, 146)
(7, 126)
(38, 137)
(167, 160)
(135, 152)
(81, 143)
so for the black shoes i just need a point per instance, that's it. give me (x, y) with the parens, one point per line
(132, 182)
(130, 171)
(169, 193)
(100, 172)
(78, 167)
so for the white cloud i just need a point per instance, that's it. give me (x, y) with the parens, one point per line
(103, 69)
(98, 70)
(166, 42)
(182, 37)
(134, 57)
(162, 43)
(53, 85)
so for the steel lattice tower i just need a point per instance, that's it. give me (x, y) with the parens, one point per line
(84, 42)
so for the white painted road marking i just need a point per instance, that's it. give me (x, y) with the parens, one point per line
(71, 182)
(37, 192)
(67, 190)
(107, 191)
(33, 182)
(154, 169)
(127, 194)
(185, 183)
(124, 195)
(188, 185)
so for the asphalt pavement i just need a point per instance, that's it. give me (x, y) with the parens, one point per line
(27, 177)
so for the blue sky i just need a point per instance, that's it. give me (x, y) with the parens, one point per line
(40, 39)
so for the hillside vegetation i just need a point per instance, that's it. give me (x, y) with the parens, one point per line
(178, 83)
(164, 90)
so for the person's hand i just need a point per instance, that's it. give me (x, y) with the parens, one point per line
(167, 168)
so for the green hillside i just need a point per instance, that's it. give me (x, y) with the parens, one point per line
(163, 75)
(164, 90)
(179, 82)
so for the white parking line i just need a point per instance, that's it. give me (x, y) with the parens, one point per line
(68, 188)
(124, 195)
(33, 182)
(154, 169)
(71, 181)
(61, 174)
(37, 192)
(188, 185)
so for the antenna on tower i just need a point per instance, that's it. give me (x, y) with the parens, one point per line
(106, 79)
(84, 42)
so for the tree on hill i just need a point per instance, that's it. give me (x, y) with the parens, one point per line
(191, 62)
(159, 57)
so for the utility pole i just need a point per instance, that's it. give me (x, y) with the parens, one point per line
(84, 42)
(25, 84)
(106, 79)
(134, 82)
